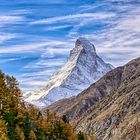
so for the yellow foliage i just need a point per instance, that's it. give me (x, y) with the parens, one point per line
(20, 133)
(32, 135)
(3, 130)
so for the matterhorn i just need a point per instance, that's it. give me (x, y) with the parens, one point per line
(83, 68)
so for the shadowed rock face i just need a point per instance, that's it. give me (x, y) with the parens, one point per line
(83, 68)
(109, 108)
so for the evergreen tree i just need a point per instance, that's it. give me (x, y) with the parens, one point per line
(41, 134)
(65, 119)
(80, 136)
(26, 125)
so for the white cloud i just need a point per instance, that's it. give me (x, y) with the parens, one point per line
(10, 19)
(32, 47)
(6, 36)
(21, 48)
(57, 27)
(132, 23)
(45, 64)
(55, 51)
(7, 20)
(96, 16)
(8, 60)
(19, 12)
(32, 85)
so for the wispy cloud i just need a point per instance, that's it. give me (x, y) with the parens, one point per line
(21, 48)
(19, 12)
(10, 19)
(57, 27)
(74, 17)
(6, 36)
(8, 60)
(32, 47)
(7, 21)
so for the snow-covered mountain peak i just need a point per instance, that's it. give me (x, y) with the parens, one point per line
(82, 44)
(83, 68)
(82, 41)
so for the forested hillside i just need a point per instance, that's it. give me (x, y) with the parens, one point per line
(24, 122)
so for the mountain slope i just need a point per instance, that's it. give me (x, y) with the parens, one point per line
(110, 108)
(83, 68)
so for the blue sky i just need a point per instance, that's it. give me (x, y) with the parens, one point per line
(37, 35)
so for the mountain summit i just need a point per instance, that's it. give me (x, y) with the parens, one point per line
(83, 68)
(82, 44)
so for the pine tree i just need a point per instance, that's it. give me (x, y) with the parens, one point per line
(41, 134)
(10, 117)
(65, 119)
(80, 136)
(26, 125)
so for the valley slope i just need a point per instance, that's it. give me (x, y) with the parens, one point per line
(110, 108)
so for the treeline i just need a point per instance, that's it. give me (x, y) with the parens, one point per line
(24, 122)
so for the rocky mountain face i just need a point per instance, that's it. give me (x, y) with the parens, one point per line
(110, 108)
(83, 68)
